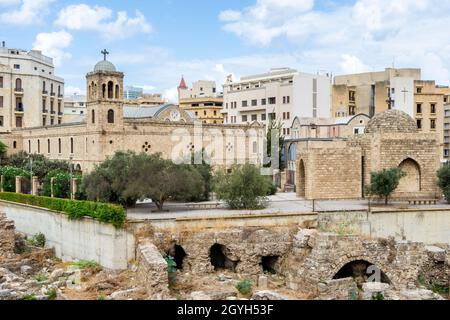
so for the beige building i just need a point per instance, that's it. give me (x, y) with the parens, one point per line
(109, 126)
(202, 100)
(147, 99)
(399, 89)
(30, 93)
(280, 94)
(341, 168)
(74, 108)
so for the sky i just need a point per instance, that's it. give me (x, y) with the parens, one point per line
(156, 42)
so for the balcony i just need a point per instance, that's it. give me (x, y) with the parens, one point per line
(44, 111)
(19, 109)
(60, 96)
(18, 91)
(60, 113)
(52, 94)
(53, 112)
(44, 92)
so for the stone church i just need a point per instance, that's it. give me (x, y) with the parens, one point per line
(109, 127)
(341, 168)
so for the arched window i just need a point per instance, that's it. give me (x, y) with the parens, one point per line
(104, 90)
(59, 146)
(93, 116)
(48, 145)
(110, 116)
(59, 90)
(51, 88)
(117, 91)
(71, 145)
(15, 144)
(39, 146)
(18, 83)
(44, 86)
(110, 90)
(411, 182)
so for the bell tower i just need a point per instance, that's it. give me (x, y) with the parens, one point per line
(104, 96)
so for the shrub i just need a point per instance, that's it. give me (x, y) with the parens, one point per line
(61, 185)
(40, 278)
(243, 188)
(52, 294)
(75, 209)
(244, 287)
(29, 297)
(383, 183)
(444, 181)
(10, 174)
(38, 240)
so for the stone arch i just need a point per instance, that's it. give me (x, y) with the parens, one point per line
(110, 116)
(178, 253)
(412, 182)
(117, 92)
(362, 271)
(218, 255)
(110, 90)
(302, 179)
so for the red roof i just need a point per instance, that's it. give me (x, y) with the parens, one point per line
(182, 84)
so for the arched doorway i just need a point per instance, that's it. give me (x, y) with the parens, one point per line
(412, 181)
(220, 260)
(302, 179)
(362, 271)
(178, 254)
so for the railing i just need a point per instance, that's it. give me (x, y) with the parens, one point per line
(60, 96)
(44, 111)
(60, 113)
(52, 94)
(53, 112)
(44, 92)
(18, 89)
(19, 109)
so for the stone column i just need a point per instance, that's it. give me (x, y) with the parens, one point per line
(18, 184)
(52, 182)
(34, 186)
(74, 188)
(2, 182)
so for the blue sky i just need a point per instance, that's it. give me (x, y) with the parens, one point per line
(155, 42)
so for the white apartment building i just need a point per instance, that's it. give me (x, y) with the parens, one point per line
(30, 93)
(201, 88)
(74, 108)
(281, 95)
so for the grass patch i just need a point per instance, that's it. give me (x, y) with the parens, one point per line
(40, 278)
(38, 240)
(84, 264)
(29, 297)
(52, 294)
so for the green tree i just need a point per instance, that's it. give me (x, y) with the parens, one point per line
(109, 180)
(383, 183)
(243, 188)
(275, 129)
(61, 185)
(10, 174)
(444, 181)
(153, 177)
(3, 149)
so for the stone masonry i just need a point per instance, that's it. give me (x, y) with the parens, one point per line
(7, 237)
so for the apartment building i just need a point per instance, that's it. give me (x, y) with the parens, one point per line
(280, 94)
(74, 108)
(402, 89)
(30, 93)
(203, 100)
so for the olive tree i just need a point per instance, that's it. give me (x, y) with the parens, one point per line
(383, 183)
(444, 181)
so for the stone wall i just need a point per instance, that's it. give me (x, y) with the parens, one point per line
(7, 236)
(152, 271)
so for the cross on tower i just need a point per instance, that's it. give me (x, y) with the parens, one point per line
(404, 94)
(104, 53)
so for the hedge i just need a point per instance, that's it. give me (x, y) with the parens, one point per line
(75, 209)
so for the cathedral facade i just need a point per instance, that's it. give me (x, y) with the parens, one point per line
(109, 126)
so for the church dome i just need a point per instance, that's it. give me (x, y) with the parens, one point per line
(105, 65)
(392, 121)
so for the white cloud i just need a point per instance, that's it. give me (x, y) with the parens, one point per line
(230, 15)
(83, 17)
(411, 32)
(29, 12)
(71, 90)
(352, 64)
(9, 2)
(171, 95)
(53, 44)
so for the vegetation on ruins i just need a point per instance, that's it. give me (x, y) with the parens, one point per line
(383, 183)
(444, 181)
(244, 287)
(38, 240)
(243, 188)
(75, 209)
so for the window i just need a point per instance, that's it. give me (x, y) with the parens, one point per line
(15, 144)
(433, 124)
(419, 124)
(1, 121)
(110, 116)
(110, 90)
(263, 102)
(17, 66)
(39, 146)
(419, 108)
(284, 131)
(272, 100)
(244, 118)
(215, 112)
(272, 116)
(419, 90)
(18, 122)
(93, 116)
(29, 146)
(288, 131)
(44, 121)
(52, 121)
(196, 113)
(71, 145)
(59, 146)
(286, 100)
(255, 147)
(244, 103)
(18, 84)
(51, 89)
(351, 95)
(104, 91)
(254, 117)
(19, 104)
(284, 115)
(1, 101)
(433, 108)
(226, 105)
(117, 94)
(263, 117)
(254, 103)
(48, 145)
(204, 112)
(288, 115)
(1, 82)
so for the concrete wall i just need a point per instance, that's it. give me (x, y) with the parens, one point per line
(427, 226)
(84, 239)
